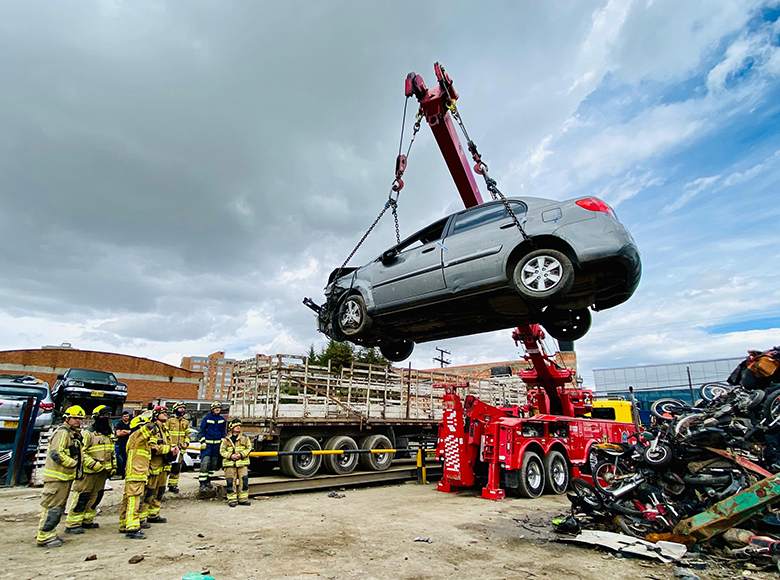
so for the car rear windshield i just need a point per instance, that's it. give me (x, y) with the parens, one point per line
(92, 376)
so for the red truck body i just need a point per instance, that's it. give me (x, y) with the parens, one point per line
(475, 438)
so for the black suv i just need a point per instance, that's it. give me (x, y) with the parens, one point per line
(88, 388)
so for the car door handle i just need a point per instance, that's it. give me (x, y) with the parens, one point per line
(505, 226)
(426, 250)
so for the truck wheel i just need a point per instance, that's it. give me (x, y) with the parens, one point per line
(353, 318)
(556, 473)
(543, 275)
(340, 464)
(531, 476)
(300, 465)
(376, 461)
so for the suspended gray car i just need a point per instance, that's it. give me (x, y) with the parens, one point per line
(474, 271)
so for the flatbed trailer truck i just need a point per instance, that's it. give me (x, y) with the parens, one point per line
(288, 405)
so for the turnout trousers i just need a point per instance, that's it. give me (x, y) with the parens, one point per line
(155, 489)
(87, 494)
(209, 462)
(238, 477)
(53, 500)
(133, 508)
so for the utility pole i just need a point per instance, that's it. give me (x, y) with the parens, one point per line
(443, 362)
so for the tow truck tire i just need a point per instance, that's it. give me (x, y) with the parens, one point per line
(376, 461)
(556, 473)
(340, 464)
(353, 319)
(531, 476)
(300, 466)
(543, 275)
(397, 351)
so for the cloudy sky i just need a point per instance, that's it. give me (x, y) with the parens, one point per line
(176, 176)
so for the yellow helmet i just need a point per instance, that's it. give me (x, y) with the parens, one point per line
(138, 421)
(100, 410)
(75, 412)
(179, 404)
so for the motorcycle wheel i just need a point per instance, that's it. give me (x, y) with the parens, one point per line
(636, 527)
(661, 456)
(586, 493)
(607, 476)
(666, 409)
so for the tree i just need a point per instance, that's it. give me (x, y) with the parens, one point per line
(371, 356)
(313, 356)
(340, 354)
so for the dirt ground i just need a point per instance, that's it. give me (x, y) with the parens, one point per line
(367, 534)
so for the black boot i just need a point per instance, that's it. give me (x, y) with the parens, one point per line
(135, 535)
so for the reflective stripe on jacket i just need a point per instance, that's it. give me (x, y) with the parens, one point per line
(160, 447)
(63, 457)
(98, 452)
(212, 429)
(139, 454)
(179, 431)
(228, 447)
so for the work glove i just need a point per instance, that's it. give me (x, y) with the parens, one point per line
(203, 446)
(97, 466)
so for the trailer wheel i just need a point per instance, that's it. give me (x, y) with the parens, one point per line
(340, 464)
(531, 476)
(300, 465)
(376, 461)
(556, 473)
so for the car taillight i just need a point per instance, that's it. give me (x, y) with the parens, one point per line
(595, 204)
(46, 407)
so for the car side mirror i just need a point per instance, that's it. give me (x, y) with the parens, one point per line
(60, 377)
(389, 256)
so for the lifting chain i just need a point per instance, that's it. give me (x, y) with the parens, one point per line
(481, 168)
(395, 188)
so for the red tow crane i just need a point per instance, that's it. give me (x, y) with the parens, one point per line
(531, 449)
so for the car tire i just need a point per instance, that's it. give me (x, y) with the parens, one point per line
(353, 319)
(300, 466)
(376, 461)
(556, 473)
(340, 464)
(397, 351)
(531, 476)
(543, 275)
(566, 325)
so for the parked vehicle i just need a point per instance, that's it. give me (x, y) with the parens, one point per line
(11, 406)
(88, 388)
(476, 269)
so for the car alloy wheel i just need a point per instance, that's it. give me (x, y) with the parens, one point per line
(353, 319)
(543, 275)
(564, 324)
(397, 351)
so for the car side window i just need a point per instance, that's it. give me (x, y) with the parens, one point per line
(483, 215)
(426, 236)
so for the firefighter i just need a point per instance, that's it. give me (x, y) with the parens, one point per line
(162, 454)
(212, 431)
(179, 431)
(139, 453)
(99, 464)
(63, 466)
(235, 449)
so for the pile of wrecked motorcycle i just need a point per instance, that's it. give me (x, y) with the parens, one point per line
(702, 479)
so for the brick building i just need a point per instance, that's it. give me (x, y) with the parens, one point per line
(146, 379)
(217, 374)
(567, 359)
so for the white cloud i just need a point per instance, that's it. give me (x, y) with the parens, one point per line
(691, 190)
